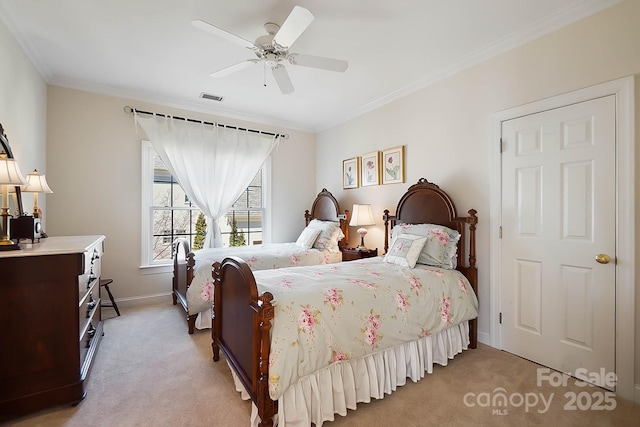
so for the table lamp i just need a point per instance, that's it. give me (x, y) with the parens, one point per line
(361, 216)
(36, 183)
(10, 175)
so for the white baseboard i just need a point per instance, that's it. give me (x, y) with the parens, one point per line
(484, 338)
(164, 297)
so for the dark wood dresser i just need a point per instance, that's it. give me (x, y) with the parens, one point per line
(50, 324)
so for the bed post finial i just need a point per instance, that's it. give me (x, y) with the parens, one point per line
(386, 217)
(472, 220)
(344, 225)
(423, 182)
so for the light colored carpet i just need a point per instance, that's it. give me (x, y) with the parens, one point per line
(150, 372)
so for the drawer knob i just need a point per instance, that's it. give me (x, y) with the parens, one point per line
(90, 308)
(90, 333)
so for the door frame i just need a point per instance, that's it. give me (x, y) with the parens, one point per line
(623, 89)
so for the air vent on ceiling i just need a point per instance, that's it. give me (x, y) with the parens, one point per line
(211, 97)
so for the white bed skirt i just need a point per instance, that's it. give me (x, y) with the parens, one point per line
(318, 397)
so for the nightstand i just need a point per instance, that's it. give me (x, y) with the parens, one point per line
(350, 254)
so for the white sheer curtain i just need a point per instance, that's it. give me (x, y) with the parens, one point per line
(212, 164)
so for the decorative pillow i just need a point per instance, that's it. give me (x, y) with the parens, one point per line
(441, 247)
(330, 235)
(308, 237)
(405, 250)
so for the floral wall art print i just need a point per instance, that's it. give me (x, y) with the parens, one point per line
(370, 169)
(350, 173)
(393, 165)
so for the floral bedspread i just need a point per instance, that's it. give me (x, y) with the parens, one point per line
(328, 313)
(259, 257)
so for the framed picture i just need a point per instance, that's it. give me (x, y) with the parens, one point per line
(393, 165)
(350, 173)
(370, 169)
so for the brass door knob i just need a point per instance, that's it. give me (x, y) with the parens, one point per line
(603, 258)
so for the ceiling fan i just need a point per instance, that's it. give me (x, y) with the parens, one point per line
(272, 49)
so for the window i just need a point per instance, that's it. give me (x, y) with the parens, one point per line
(242, 224)
(167, 213)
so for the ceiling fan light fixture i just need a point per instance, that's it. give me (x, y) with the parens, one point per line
(272, 59)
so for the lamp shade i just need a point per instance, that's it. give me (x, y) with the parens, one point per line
(36, 183)
(361, 215)
(10, 173)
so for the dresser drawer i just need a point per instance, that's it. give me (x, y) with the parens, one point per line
(89, 320)
(92, 257)
(86, 311)
(85, 283)
(85, 341)
(92, 269)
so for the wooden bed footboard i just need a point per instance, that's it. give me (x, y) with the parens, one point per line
(183, 264)
(246, 345)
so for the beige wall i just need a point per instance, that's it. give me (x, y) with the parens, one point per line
(446, 127)
(23, 100)
(94, 161)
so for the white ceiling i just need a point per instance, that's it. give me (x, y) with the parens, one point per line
(148, 50)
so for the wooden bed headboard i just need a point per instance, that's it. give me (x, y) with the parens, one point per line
(326, 208)
(426, 203)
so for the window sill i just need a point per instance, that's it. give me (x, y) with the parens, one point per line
(156, 269)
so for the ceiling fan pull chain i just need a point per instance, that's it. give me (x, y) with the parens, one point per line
(264, 74)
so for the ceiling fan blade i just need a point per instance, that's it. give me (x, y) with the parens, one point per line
(329, 64)
(295, 24)
(282, 78)
(209, 28)
(234, 68)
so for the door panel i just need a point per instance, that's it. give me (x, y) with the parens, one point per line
(558, 213)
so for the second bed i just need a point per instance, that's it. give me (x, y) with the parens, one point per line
(319, 243)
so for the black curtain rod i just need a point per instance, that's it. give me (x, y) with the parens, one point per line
(131, 110)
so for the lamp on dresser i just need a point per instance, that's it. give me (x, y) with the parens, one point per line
(36, 183)
(361, 216)
(9, 175)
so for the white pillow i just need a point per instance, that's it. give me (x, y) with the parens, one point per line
(441, 247)
(405, 250)
(307, 238)
(330, 235)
